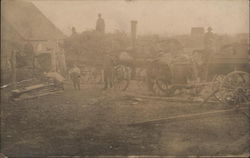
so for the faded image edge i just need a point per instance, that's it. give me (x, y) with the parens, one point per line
(125, 78)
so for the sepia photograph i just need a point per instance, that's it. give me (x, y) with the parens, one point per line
(125, 78)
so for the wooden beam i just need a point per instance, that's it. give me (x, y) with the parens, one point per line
(17, 92)
(37, 96)
(190, 116)
(192, 85)
(30, 88)
(7, 85)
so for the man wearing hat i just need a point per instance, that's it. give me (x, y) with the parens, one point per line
(100, 24)
(209, 39)
(209, 49)
(75, 75)
(108, 71)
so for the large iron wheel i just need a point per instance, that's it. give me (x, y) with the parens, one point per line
(158, 79)
(160, 87)
(217, 81)
(121, 77)
(141, 77)
(234, 89)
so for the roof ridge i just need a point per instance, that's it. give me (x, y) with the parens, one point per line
(29, 21)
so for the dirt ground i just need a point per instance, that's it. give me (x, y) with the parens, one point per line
(95, 122)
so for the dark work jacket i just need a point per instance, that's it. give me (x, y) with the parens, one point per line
(100, 25)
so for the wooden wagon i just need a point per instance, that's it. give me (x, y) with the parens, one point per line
(225, 71)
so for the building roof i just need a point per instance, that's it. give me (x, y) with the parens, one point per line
(28, 21)
(9, 33)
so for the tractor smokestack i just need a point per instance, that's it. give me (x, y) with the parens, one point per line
(133, 33)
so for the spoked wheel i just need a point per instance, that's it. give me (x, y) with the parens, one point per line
(160, 87)
(141, 77)
(234, 89)
(159, 79)
(121, 77)
(217, 81)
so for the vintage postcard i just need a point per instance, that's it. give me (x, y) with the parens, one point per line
(125, 78)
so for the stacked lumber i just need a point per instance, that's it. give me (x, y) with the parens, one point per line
(34, 91)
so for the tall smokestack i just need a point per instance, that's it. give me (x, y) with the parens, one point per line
(133, 33)
(133, 36)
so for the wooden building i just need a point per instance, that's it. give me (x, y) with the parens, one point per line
(26, 30)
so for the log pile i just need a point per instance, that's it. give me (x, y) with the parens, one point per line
(34, 91)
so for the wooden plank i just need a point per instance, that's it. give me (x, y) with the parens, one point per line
(30, 88)
(7, 85)
(189, 116)
(36, 96)
(27, 80)
(192, 85)
(18, 92)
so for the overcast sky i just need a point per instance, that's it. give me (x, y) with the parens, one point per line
(153, 16)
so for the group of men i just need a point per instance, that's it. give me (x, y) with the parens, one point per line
(75, 73)
(108, 66)
(108, 73)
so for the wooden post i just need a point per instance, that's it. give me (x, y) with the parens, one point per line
(13, 68)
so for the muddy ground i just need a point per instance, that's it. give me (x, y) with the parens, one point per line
(95, 122)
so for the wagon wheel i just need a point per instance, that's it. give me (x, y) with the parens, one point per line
(141, 78)
(158, 79)
(217, 81)
(121, 77)
(234, 89)
(160, 87)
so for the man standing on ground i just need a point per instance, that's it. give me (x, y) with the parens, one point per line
(209, 39)
(209, 43)
(108, 72)
(75, 75)
(100, 24)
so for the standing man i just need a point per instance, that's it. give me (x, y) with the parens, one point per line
(73, 30)
(75, 75)
(100, 24)
(209, 43)
(108, 72)
(209, 39)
